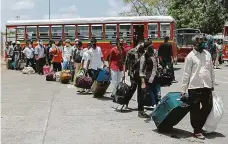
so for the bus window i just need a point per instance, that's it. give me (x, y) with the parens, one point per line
(11, 34)
(31, 32)
(44, 32)
(125, 33)
(83, 32)
(56, 32)
(153, 30)
(110, 32)
(69, 31)
(20, 33)
(97, 32)
(165, 30)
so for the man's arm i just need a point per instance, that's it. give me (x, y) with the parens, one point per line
(186, 74)
(212, 75)
(142, 73)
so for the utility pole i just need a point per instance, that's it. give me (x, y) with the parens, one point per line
(49, 9)
(17, 17)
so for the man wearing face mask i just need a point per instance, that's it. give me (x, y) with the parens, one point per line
(95, 58)
(132, 64)
(29, 54)
(40, 57)
(199, 80)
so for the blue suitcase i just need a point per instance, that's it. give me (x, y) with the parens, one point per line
(103, 75)
(169, 112)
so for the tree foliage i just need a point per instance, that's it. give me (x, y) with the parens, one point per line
(145, 7)
(207, 15)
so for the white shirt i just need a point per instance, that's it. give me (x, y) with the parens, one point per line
(39, 50)
(67, 53)
(29, 52)
(85, 58)
(95, 55)
(198, 71)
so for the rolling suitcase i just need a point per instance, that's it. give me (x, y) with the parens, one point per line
(169, 112)
(99, 88)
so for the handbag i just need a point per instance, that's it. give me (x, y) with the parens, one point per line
(122, 93)
(215, 115)
(84, 81)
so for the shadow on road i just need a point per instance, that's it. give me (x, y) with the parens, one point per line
(176, 133)
(214, 135)
(177, 69)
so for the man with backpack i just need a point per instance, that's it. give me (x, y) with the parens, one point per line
(77, 55)
(165, 54)
(132, 65)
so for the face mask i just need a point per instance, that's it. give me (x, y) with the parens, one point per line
(94, 45)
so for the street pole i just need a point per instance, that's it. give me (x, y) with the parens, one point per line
(49, 9)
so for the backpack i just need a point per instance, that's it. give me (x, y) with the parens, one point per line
(164, 77)
(77, 55)
(122, 94)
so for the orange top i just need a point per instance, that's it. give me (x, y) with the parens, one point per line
(57, 55)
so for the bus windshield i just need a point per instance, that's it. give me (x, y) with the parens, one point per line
(185, 39)
(185, 35)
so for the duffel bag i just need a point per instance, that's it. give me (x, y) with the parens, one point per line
(65, 76)
(122, 94)
(50, 77)
(103, 75)
(84, 82)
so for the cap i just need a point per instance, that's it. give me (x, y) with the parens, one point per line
(18, 42)
(76, 40)
(67, 41)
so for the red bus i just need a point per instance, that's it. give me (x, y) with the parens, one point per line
(184, 41)
(105, 30)
(225, 43)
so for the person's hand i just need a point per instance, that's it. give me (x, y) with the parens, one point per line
(212, 89)
(182, 94)
(143, 86)
(172, 61)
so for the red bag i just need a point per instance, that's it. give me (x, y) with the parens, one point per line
(84, 82)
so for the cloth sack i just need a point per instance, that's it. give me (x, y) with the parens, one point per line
(57, 76)
(28, 70)
(215, 115)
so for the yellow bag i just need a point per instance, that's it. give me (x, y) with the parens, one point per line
(65, 76)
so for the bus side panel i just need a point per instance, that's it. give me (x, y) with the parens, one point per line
(225, 52)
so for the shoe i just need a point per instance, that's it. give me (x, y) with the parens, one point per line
(199, 136)
(174, 81)
(142, 114)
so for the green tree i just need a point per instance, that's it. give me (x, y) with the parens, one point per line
(145, 7)
(207, 15)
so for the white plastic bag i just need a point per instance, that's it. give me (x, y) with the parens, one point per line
(215, 115)
(28, 70)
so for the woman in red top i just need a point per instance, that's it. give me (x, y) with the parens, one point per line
(116, 63)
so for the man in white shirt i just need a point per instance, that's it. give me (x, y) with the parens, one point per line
(67, 56)
(40, 55)
(29, 53)
(95, 59)
(199, 80)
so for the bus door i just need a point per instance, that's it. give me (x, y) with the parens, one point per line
(138, 33)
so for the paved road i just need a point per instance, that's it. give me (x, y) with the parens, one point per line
(38, 112)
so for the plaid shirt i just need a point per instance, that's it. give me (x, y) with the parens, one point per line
(132, 62)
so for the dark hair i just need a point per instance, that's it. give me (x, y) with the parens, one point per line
(79, 43)
(166, 38)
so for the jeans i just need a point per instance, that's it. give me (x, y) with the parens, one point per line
(198, 115)
(155, 92)
(168, 63)
(67, 65)
(116, 79)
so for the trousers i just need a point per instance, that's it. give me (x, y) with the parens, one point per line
(116, 79)
(198, 115)
(137, 85)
